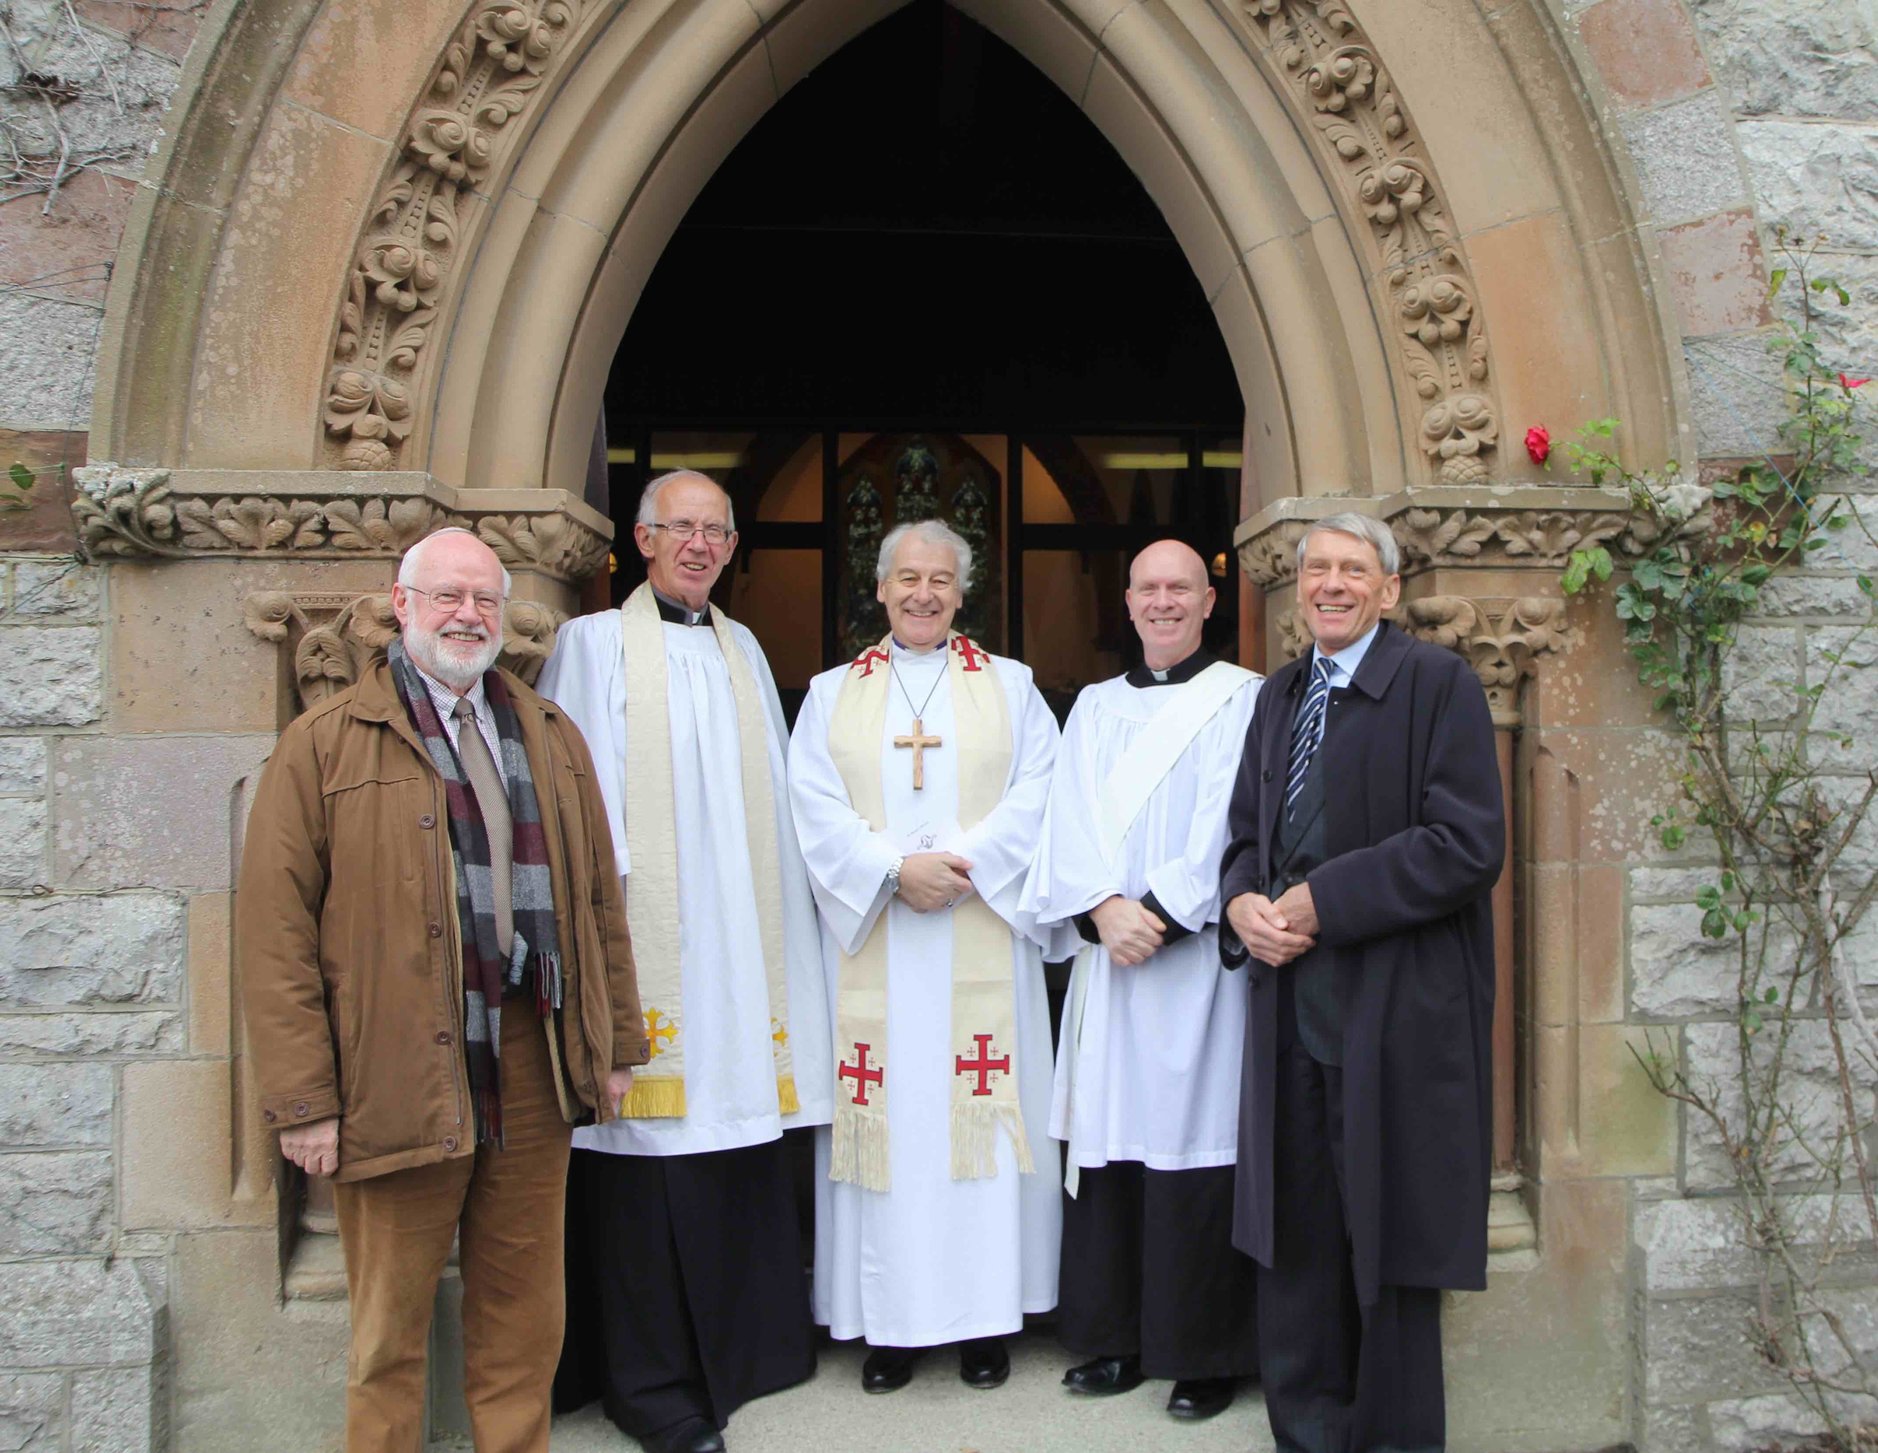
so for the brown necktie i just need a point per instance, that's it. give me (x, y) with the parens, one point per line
(494, 801)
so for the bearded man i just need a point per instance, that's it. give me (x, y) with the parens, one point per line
(437, 980)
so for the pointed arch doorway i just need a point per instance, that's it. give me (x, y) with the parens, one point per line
(897, 298)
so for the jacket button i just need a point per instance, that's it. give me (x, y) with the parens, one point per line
(1268, 775)
(436, 930)
(443, 1036)
(449, 1142)
(269, 1116)
(299, 1107)
(427, 821)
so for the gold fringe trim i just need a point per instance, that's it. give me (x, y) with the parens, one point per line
(860, 1150)
(975, 1140)
(786, 1099)
(655, 1097)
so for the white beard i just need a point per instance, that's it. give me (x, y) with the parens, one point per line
(457, 664)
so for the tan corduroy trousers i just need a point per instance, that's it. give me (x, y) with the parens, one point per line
(507, 1207)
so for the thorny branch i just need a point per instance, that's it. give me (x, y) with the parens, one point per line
(1784, 816)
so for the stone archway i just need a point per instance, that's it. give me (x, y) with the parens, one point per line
(1412, 232)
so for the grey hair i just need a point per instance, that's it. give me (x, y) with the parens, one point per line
(649, 497)
(933, 532)
(407, 567)
(1366, 528)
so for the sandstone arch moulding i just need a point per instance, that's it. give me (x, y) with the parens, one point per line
(1362, 189)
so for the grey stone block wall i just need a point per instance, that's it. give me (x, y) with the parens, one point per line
(88, 983)
(1798, 83)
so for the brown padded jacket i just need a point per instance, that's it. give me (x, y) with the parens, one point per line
(346, 932)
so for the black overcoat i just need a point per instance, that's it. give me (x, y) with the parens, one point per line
(1415, 833)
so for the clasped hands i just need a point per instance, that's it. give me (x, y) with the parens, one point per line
(1275, 932)
(934, 880)
(1130, 932)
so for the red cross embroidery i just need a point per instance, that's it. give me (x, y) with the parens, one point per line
(983, 1065)
(860, 1073)
(969, 653)
(865, 661)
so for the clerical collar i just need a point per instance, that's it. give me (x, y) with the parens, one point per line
(677, 613)
(1176, 675)
(911, 654)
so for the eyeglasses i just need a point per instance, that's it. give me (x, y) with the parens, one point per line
(449, 599)
(684, 531)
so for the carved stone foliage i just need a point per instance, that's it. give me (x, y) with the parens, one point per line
(1475, 534)
(133, 513)
(1501, 639)
(333, 638)
(1323, 58)
(491, 72)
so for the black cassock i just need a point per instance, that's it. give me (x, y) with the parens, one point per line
(686, 1293)
(1414, 840)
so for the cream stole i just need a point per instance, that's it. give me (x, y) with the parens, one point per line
(984, 1009)
(652, 840)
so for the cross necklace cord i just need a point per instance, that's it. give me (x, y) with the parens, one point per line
(918, 741)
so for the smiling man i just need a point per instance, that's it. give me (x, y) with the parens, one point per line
(689, 1248)
(1147, 1079)
(919, 774)
(1367, 833)
(437, 979)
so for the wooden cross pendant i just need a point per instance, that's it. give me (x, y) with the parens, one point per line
(919, 741)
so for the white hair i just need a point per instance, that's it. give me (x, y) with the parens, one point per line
(1366, 528)
(413, 558)
(649, 497)
(933, 532)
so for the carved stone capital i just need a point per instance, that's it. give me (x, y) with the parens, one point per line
(332, 638)
(165, 514)
(1521, 526)
(1501, 639)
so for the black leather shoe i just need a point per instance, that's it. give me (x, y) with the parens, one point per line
(888, 1369)
(693, 1435)
(984, 1362)
(1105, 1376)
(1201, 1397)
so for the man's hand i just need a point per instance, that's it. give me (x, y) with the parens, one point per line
(314, 1148)
(1265, 932)
(934, 880)
(619, 1084)
(1129, 932)
(1298, 910)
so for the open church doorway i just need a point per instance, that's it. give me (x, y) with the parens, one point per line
(926, 285)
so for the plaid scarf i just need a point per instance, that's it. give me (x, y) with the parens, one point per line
(536, 950)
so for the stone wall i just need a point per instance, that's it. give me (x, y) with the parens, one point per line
(1740, 115)
(95, 1002)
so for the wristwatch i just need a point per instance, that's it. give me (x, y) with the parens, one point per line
(893, 877)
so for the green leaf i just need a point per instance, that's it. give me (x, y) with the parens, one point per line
(1772, 996)
(21, 476)
(1774, 282)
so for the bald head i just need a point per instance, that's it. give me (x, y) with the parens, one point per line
(1168, 600)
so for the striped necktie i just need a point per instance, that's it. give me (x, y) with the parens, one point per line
(1307, 731)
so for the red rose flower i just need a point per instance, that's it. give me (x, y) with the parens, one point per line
(1848, 384)
(1538, 443)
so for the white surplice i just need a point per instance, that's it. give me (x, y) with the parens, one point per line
(1155, 1076)
(933, 1260)
(730, 1072)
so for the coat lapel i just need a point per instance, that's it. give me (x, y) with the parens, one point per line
(1277, 752)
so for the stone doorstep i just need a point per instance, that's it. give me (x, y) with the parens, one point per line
(316, 1272)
